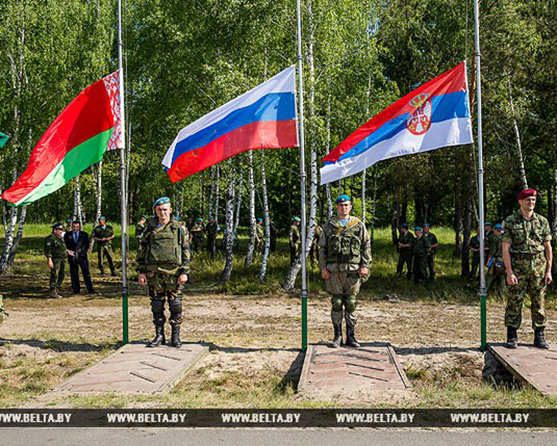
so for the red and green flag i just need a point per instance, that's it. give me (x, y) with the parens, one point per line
(77, 139)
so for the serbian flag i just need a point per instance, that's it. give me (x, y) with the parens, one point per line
(435, 115)
(77, 139)
(262, 118)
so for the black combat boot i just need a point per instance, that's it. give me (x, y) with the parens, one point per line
(512, 338)
(175, 341)
(159, 337)
(338, 335)
(539, 338)
(350, 338)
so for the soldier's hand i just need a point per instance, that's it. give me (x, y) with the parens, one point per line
(182, 278)
(50, 264)
(511, 279)
(326, 274)
(548, 278)
(71, 253)
(142, 279)
(363, 271)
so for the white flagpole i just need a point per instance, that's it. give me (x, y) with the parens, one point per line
(303, 180)
(123, 192)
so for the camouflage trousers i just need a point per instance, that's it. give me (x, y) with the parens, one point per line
(404, 258)
(344, 286)
(105, 252)
(165, 287)
(420, 269)
(530, 272)
(57, 274)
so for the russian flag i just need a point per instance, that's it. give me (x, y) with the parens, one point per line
(435, 115)
(262, 118)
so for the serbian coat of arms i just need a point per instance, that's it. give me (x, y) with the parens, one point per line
(419, 120)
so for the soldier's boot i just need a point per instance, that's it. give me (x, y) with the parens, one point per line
(350, 317)
(175, 340)
(338, 335)
(512, 338)
(54, 294)
(351, 338)
(159, 337)
(539, 338)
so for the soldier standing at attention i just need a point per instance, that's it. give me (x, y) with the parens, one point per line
(295, 240)
(140, 227)
(344, 261)
(314, 250)
(475, 248)
(405, 251)
(197, 234)
(56, 253)
(420, 252)
(432, 239)
(212, 230)
(103, 235)
(163, 264)
(528, 257)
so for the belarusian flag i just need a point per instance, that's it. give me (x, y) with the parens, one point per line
(77, 139)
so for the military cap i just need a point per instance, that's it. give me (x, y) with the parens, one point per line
(199, 219)
(498, 226)
(487, 223)
(259, 219)
(69, 220)
(57, 226)
(404, 225)
(527, 193)
(102, 218)
(418, 228)
(427, 225)
(210, 216)
(297, 219)
(342, 199)
(176, 218)
(162, 200)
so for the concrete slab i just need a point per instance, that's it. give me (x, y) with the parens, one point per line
(136, 369)
(533, 366)
(345, 372)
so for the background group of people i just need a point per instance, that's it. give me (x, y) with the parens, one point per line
(417, 252)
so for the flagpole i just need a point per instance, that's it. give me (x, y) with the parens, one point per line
(123, 192)
(482, 291)
(302, 182)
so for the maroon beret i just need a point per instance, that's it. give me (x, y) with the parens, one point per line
(527, 193)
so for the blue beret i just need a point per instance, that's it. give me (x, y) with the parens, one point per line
(404, 225)
(342, 199)
(259, 219)
(102, 218)
(176, 218)
(210, 216)
(69, 220)
(498, 226)
(57, 226)
(297, 219)
(487, 224)
(162, 200)
(427, 225)
(200, 219)
(418, 228)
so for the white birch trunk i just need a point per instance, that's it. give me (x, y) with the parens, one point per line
(521, 167)
(238, 205)
(217, 192)
(212, 192)
(15, 246)
(229, 232)
(251, 186)
(267, 219)
(98, 191)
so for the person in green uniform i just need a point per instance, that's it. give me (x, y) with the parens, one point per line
(432, 239)
(164, 264)
(420, 252)
(259, 235)
(197, 233)
(528, 257)
(140, 227)
(344, 261)
(405, 251)
(56, 252)
(212, 230)
(314, 250)
(475, 248)
(295, 240)
(496, 267)
(103, 235)
(68, 227)
(488, 233)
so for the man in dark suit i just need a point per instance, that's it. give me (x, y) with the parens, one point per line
(77, 243)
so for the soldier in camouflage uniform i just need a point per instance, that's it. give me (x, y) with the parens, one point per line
(211, 230)
(432, 239)
(405, 251)
(314, 250)
(103, 235)
(528, 256)
(475, 248)
(295, 240)
(163, 264)
(140, 227)
(344, 261)
(56, 253)
(420, 251)
(494, 262)
(259, 235)
(197, 233)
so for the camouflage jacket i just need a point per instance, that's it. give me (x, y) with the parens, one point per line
(475, 244)
(432, 239)
(496, 248)
(164, 249)
(139, 228)
(55, 248)
(317, 235)
(198, 231)
(212, 229)
(295, 238)
(526, 236)
(100, 232)
(421, 246)
(406, 239)
(344, 248)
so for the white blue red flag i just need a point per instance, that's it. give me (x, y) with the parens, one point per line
(435, 115)
(262, 118)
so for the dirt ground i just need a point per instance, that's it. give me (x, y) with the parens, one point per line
(255, 359)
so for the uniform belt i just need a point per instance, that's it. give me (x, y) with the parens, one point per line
(527, 255)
